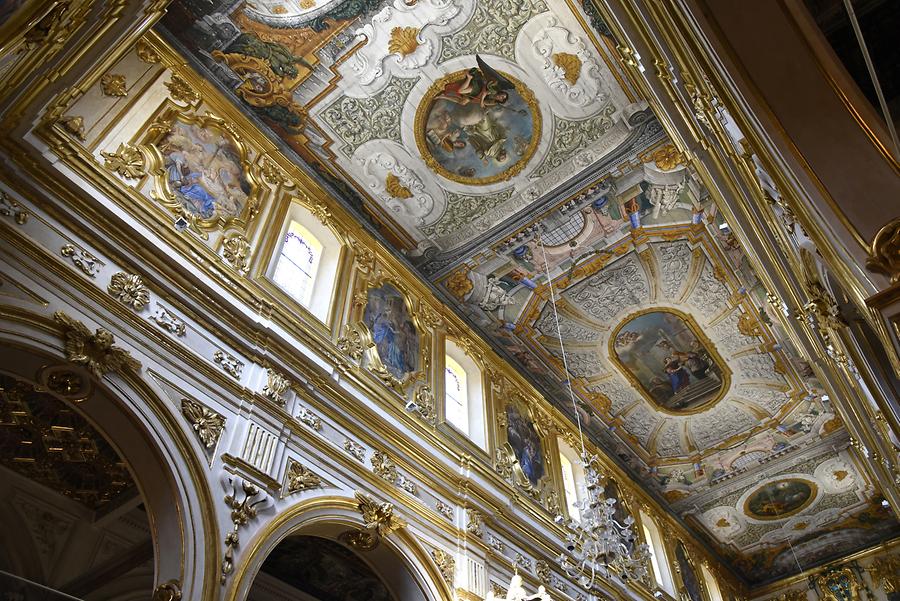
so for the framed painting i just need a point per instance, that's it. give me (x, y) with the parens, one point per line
(393, 332)
(780, 499)
(202, 171)
(689, 577)
(668, 359)
(525, 443)
(478, 126)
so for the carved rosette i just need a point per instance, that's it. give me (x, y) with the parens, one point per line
(207, 424)
(236, 250)
(129, 289)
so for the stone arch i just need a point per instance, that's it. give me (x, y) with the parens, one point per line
(328, 517)
(133, 417)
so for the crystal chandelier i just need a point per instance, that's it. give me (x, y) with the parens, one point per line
(597, 544)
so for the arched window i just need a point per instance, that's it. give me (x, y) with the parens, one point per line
(662, 574)
(305, 262)
(296, 268)
(456, 404)
(463, 394)
(572, 478)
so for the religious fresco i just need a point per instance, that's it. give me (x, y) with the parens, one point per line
(324, 569)
(776, 500)
(478, 126)
(393, 331)
(663, 353)
(691, 582)
(525, 442)
(204, 171)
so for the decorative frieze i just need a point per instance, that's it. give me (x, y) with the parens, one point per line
(444, 509)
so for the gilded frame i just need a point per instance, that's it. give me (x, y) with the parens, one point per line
(526, 409)
(696, 331)
(162, 192)
(423, 110)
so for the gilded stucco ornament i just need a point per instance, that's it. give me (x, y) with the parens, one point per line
(169, 321)
(129, 289)
(236, 250)
(446, 565)
(355, 340)
(97, 351)
(354, 449)
(74, 124)
(114, 84)
(276, 385)
(884, 254)
(181, 91)
(838, 584)
(10, 207)
(885, 572)
(127, 161)
(404, 41)
(305, 416)
(423, 403)
(207, 424)
(146, 52)
(300, 478)
(245, 500)
(168, 591)
(384, 467)
(229, 364)
(378, 517)
(82, 259)
(360, 540)
(474, 522)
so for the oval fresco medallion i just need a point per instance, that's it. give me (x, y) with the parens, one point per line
(395, 336)
(780, 499)
(526, 444)
(664, 354)
(477, 126)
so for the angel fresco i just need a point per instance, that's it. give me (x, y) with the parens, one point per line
(480, 125)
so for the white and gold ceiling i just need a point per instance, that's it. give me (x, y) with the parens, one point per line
(498, 143)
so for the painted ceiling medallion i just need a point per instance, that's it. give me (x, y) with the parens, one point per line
(478, 126)
(780, 499)
(665, 356)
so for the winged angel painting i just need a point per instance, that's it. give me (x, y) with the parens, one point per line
(479, 125)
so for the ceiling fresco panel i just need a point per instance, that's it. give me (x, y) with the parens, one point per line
(499, 147)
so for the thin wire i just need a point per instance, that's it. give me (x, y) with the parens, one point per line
(562, 350)
(870, 66)
(778, 514)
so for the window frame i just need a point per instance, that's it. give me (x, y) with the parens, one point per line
(478, 438)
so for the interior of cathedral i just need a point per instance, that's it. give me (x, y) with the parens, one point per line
(449, 300)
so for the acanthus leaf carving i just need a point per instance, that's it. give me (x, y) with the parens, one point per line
(97, 351)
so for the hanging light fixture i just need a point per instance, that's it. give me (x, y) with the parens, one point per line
(597, 544)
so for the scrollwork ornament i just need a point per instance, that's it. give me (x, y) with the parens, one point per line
(129, 289)
(97, 351)
(384, 467)
(474, 522)
(884, 254)
(229, 364)
(82, 259)
(423, 403)
(236, 250)
(127, 161)
(245, 500)
(309, 418)
(146, 53)
(353, 342)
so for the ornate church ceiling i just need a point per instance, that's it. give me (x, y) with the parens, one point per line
(501, 149)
